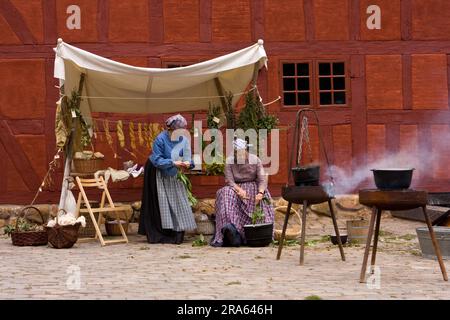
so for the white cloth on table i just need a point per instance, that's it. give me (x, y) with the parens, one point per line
(115, 175)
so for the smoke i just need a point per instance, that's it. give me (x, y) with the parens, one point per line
(349, 180)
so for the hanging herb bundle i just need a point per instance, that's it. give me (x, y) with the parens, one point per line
(132, 136)
(254, 116)
(140, 137)
(251, 113)
(145, 135)
(82, 135)
(120, 135)
(109, 138)
(155, 130)
(229, 111)
(213, 118)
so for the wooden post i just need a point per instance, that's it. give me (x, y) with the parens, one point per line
(68, 153)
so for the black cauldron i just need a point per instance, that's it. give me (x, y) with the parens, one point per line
(393, 178)
(306, 175)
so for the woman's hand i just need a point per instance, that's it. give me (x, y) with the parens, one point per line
(241, 193)
(259, 197)
(179, 164)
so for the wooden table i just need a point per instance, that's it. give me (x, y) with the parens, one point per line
(306, 195)
(381, 200)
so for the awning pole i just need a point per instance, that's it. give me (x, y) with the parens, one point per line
(68, 153)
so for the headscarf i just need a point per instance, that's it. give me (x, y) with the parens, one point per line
(176, 122)
(239, 144)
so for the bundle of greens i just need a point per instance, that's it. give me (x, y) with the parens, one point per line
(188, 185)
(254, 116)
(213, 119)
(258, 215)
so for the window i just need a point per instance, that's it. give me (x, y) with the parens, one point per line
(332, 83)
(328, 88)
(297, 84)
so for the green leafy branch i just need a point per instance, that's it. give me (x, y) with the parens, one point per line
(188, 185)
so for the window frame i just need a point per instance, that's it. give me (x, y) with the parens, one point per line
(314, 82)
(296, 91)
(317, 80)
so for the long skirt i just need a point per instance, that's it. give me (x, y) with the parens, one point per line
(150, 223)
(230, 208)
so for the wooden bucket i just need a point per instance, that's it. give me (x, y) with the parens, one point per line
(357, 230)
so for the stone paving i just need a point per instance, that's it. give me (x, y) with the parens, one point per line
(139, 270)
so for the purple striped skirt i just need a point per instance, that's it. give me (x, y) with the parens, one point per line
(230, 208)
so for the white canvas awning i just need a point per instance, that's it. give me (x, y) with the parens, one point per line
(111, 86)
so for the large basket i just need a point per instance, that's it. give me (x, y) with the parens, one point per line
(89, 230)
(293, 229)
(88, 165)
(63, 236)
(29, 238)
(206, 226)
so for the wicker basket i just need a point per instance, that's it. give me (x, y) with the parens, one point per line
(63, 236)
(29, 238)
(293, 230)
(206, 227)
(88, 165)
(89, 230)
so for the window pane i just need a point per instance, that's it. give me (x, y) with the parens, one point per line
(339, 98)
(288, 84)
(324, 69)
(338, 68)
(325, 84)
(303, 69)
(289, 99)
(303, 99)
(303, 83)
(339, 83)
(288, 69)
(325, 98)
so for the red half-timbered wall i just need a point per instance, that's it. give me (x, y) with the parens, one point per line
(398, 76)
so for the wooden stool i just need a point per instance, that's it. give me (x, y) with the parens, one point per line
(307, 195)
(381, 200)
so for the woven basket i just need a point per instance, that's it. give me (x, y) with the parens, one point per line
(294, 226)
(29, 238)
(87, 165)
(205, 227)
(63, 236)
(89, 230)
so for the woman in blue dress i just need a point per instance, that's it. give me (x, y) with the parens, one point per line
(165, 210)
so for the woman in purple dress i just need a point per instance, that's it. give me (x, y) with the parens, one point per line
(235, 203)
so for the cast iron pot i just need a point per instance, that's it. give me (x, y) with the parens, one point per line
(306, 175)
(258, 235)
(392, 179)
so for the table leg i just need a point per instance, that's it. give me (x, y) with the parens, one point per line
(362, 277)
(336, 230)
(437, 249)
(283, 233)
(302, 244)
(375, 241)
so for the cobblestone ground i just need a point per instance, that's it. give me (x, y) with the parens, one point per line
(139, 270)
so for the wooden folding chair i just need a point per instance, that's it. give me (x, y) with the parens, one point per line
(82, 197)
